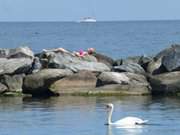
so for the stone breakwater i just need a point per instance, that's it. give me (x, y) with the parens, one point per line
(55, 72)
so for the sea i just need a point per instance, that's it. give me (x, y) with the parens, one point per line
(115, 39)
(79, 115)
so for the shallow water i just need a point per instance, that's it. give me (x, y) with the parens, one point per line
(87, 115)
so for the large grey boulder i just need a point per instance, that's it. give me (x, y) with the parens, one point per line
(69, 61)
(166, 61)
(143, 61)
(166, 83)
(171, 59)
(121, 78)
(129, 67)
(104, 59)
(38, 83)
(15, 65)
(16, 61)
(112, 78)
(156, 67)
(13, 83)
(125, 83)
(90, 66)
(20, 52)
(78, 82)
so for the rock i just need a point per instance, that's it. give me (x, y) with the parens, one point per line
(90, 66)
(4, 53)
(166, 61)
(144, 61)
(112, 78)
(118, 62)
(118, 89)
(104, 59)
(15, 65)
(165, 52)
(130, 67)
(14, 83)
(89, 58)
(44, 63)
(36, 65)
(140, 60)
(81, 81)
(171, 60)
(68, 61)
(16, 61)
(38, 83)
(21, 52)
(3, 88)
(167, 83)
(137, 79)
(125, 83)
(121, 78)
(129, 60)
(156, 67)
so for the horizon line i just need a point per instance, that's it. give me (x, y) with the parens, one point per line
(145, 20)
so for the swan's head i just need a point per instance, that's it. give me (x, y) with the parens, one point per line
(109, 106)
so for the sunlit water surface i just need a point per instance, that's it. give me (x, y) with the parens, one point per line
(87, 115)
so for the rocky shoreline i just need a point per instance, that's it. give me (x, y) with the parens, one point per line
(57, 72)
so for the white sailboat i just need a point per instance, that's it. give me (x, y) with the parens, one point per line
(90, 10)
(88, 19)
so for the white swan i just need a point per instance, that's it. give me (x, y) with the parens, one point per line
(127, 121)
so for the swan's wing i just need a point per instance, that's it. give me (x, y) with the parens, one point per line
(142, 122)
(137, 120)
(130, 121)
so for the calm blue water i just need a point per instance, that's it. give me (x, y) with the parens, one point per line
(87, 115)
(116, 39)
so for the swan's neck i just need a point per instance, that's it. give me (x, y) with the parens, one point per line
(110, 116)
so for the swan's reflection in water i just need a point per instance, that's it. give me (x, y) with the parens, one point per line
(125, 130)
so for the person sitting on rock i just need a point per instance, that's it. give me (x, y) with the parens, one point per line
(80, 53)
(91, 50)
(56, 50)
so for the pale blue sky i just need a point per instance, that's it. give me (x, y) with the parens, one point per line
(72, 10)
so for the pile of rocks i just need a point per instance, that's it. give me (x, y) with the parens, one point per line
(59, 72)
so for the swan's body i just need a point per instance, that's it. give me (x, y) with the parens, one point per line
(127, 121)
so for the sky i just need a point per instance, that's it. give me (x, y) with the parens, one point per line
(102, 10)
